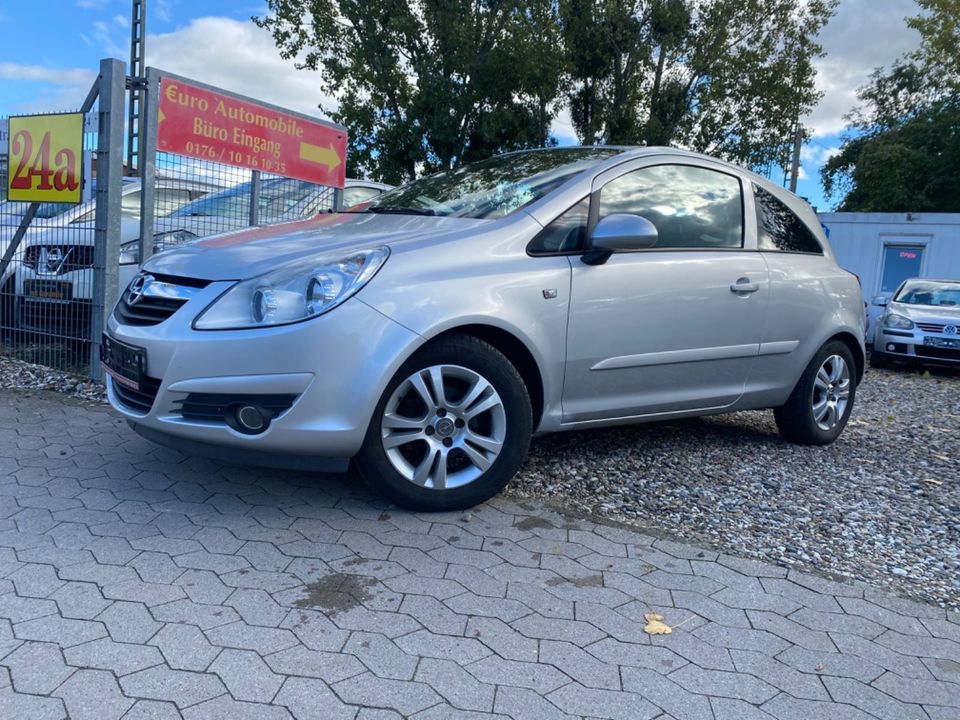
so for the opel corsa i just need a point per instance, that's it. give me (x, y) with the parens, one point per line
(429, 333)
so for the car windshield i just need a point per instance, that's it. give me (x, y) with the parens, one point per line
(940, 294)
(490, 188)
(279, 200)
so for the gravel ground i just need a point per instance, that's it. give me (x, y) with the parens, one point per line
(881, 505)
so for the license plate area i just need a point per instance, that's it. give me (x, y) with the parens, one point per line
(126, 364)
(57, 291)
(953, 343)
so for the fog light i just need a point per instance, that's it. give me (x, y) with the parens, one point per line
(251, 419)
(891, 347)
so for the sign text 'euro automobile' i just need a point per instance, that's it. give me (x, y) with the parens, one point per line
(209, 125)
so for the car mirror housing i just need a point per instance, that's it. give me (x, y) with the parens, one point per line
(619, 232)
(881, 301)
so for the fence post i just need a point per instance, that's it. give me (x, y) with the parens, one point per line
(254, 198)
(147, 156)
(106, 254)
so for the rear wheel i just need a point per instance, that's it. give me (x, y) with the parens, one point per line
(820, 404)
(451, 430)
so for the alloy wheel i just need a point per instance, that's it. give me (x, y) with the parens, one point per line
(831, 392)
(443, 427)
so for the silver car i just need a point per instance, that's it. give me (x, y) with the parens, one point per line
(430, 332)
(921, 323)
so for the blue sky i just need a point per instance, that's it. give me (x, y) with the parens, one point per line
(214, 41)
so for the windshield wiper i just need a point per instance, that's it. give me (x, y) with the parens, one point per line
(402, 211)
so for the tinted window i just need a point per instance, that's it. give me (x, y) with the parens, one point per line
(691, 207)
(778, 228)
(565, 234)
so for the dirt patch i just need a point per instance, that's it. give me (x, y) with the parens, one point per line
(533, 523)
(336, 593)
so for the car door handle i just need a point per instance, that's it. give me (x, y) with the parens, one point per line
(744, 285)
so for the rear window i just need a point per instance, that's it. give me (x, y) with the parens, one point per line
(778, 227)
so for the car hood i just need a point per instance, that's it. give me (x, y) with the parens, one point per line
(927, 313)
(250, 253)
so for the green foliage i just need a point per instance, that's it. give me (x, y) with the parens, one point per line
(727, 77)
(902, 150)
(427, 84)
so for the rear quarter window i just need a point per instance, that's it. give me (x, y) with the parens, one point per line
(778, 227)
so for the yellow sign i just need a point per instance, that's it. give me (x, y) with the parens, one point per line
(44, 163)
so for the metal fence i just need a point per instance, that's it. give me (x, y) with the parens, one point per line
(47, 291)
(68, 264)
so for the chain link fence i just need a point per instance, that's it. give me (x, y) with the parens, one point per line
(46, 288)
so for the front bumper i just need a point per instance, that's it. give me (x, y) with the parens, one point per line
(913, 345)
(336, 366)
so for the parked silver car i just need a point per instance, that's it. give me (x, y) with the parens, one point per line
(920, 323)
(430, 332)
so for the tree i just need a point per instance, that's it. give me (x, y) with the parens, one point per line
(901, 152)
(427, 84)
(727, 77)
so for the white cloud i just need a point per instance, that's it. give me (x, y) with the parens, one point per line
(92, 4)
(58, 88)
(862, 36)
(121, 20)
(103, 37)
(817, 154)
(40, 73)
(240, 57)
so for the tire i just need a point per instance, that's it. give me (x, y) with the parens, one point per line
(820, 404)
(878, 360)
(429, 454)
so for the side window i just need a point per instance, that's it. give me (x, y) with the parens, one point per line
(567, 233)
(356, 195)
(691, 207)
(778, 228)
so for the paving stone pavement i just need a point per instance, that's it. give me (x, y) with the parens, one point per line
(139, 583)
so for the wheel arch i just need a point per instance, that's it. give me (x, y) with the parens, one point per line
(515, 350)
(856, 349)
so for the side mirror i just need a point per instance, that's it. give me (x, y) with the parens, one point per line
(881, 301)
(619, 232)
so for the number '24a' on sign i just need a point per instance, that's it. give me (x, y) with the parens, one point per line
(44, 162)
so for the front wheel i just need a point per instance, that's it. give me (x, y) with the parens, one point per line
(451, 430)
(820, 404)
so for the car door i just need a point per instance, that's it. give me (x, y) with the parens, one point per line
(676, 327)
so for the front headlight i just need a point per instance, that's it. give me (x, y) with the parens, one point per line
(130, 251)
(294, 292)
(892, 320)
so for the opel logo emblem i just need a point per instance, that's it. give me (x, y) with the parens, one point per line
(950, 330)
(138, 288)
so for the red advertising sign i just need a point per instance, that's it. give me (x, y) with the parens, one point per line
(209, 125)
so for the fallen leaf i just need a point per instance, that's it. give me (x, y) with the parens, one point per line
(931, 481)
(942, 457)
(655, 625)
